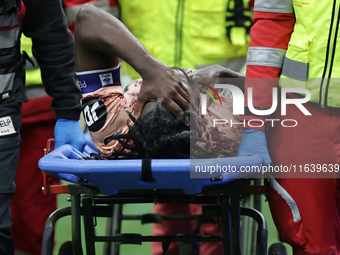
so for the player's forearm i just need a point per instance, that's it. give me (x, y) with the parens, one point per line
(103, 33)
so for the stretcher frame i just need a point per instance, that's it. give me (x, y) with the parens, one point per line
(90, 200)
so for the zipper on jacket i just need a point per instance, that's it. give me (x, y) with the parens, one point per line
(333, 55)
(178, 36)
(331, 47)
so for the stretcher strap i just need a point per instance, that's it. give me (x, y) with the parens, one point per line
(146, 170)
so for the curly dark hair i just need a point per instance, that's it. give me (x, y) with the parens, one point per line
(160, 135)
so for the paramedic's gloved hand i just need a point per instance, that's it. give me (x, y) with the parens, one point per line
(69, 132)
(254, 142)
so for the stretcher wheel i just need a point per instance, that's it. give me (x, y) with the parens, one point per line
(277, 249)
(66, 248)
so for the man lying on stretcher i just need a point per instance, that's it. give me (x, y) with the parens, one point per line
(101, 41)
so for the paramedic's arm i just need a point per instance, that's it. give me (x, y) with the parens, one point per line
(53, 47)
(102, 37)
(270, 35)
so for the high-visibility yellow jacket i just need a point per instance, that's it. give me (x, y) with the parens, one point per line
(313, 56)
(298, 42)
(185, 33)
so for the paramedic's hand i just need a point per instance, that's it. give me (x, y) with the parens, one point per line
(207, 75)
(212, 75)
(164, 82)
(254, 142)
(69, 132)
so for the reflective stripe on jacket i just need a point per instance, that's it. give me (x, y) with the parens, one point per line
(296, 41)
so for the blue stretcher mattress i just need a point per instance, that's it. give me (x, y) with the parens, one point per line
(112, 176)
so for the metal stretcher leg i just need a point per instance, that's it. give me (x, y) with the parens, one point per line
(262, 232)
(246, 227)
(114, 228)
(235, 224)
(226, 233)
(117, 221)
(76, 228)
(257, 206)
(88, 224)
(48, 236)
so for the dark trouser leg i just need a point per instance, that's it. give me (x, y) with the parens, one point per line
(10, 117)
(6, 241)
(9, 162)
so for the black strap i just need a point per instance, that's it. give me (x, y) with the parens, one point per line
(146, 170)
(238, 17)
